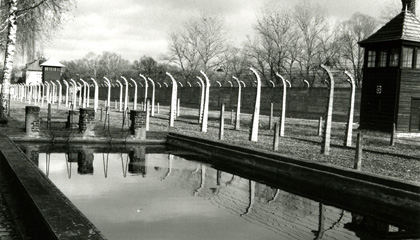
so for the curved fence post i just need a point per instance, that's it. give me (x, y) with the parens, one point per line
(256, 116)
(121, 93)
(53, 90)
(146, 85)
(67, 93)
(349, 130)
(60, 89)
(152, 113)
(306, 82)
(84, 92)
(206, 103)
(95, 95)
(201, 109)
(135, 94)
(108, 103)
(238, 105)
(74, 92)
(172, 111)
(283, 104)
(126, 93)
(326, 139)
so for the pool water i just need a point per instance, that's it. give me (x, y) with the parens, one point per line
(139, 195)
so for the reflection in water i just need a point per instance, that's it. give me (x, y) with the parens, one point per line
(321, 223)
(124, 166)
(251, 198)
(105, 163)
(192, 200)
(137, 163)
(275, 196)
(85, 161)
(202, 180)
(170, 158)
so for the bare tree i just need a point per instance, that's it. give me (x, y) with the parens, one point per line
(275, 29)
(311, 23)
(51, 9)
(359, 27)
(183, 54)
(235, 61)
(258, 56)
(146, 65)
(113, 64)
(93, 62)
(199, 44)
(329, 46)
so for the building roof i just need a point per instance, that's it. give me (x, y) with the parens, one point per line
(33, 66)
(404, 26)
(51, 62)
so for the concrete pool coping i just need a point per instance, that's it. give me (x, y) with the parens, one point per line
(382, 196)
(48, 213)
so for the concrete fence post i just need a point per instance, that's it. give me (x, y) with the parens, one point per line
(126, 92)
(121, 95)
(95, 95)
(67, 93)
(147, 114)
(270, 119)
(222, 121)
(178, 107)
(152, 109)
(320, 126)
(172, 110)
(202, 92)
(231, 117)
(108, 83)
(276, 137)
(135, 94)
(238, 105)
(349, 129)
(146, 86)
(256, 115)
(283, 106)
(206, 103)
(326, 140)
(359, 151)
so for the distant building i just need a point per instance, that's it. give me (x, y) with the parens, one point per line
(32, 73)
(42, 70)
(391, 75)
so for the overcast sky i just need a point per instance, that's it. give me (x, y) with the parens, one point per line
(134, 28)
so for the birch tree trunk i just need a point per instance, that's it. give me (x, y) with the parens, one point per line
(8, 61)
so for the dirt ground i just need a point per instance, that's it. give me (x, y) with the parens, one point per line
(301, 138)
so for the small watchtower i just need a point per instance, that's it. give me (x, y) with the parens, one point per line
(51, 70)
(391, 74)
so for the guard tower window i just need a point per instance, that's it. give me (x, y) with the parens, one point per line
(371, 59)
(417, 58)
(394, 58)
(407, 57)
(382, 58)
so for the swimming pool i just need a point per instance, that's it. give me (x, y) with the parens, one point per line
(136, 193)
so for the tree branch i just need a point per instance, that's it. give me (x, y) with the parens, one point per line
(17, 12)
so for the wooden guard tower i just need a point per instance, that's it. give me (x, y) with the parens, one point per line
(51, 70)
(391, 74)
